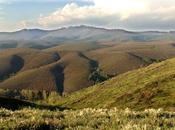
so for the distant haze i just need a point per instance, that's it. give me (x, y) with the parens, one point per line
(41, 39)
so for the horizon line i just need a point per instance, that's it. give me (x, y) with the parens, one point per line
(91, 26)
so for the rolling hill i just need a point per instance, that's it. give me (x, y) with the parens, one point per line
(67, 68)
(148, 87)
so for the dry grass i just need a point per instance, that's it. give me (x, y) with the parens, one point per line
(91, 119)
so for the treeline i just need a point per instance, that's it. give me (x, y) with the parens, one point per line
(31, 95)
(98, 76)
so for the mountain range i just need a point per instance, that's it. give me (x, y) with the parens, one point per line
(41, 39)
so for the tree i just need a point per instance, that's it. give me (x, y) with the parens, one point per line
(97, 76)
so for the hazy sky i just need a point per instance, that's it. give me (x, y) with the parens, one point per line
(51, 14)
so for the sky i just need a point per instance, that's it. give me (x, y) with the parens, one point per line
(121, 14)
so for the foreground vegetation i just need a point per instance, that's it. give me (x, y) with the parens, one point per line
(87, 119)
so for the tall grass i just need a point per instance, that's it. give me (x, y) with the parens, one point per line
(87, 119)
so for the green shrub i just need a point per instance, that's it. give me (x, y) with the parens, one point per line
(97, 76)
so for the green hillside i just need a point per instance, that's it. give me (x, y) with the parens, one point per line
(149, 87)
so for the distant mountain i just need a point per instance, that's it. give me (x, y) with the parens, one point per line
(36, 38)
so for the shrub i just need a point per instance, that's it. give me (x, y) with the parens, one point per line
(97, 76)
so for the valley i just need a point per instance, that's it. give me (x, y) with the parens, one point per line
(87, 77)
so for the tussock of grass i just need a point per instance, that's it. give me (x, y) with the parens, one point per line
(88, 118)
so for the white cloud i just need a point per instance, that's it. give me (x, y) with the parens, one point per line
(72, 12)
(132, 14)
(123, 7)
(111, 12)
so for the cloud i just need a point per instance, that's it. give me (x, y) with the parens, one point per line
(129, 14)
(125, 8)
(72, 13)
(112, 13)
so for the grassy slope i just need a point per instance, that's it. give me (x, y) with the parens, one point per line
(152, 86)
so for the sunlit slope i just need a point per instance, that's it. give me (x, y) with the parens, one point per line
(149, 87)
